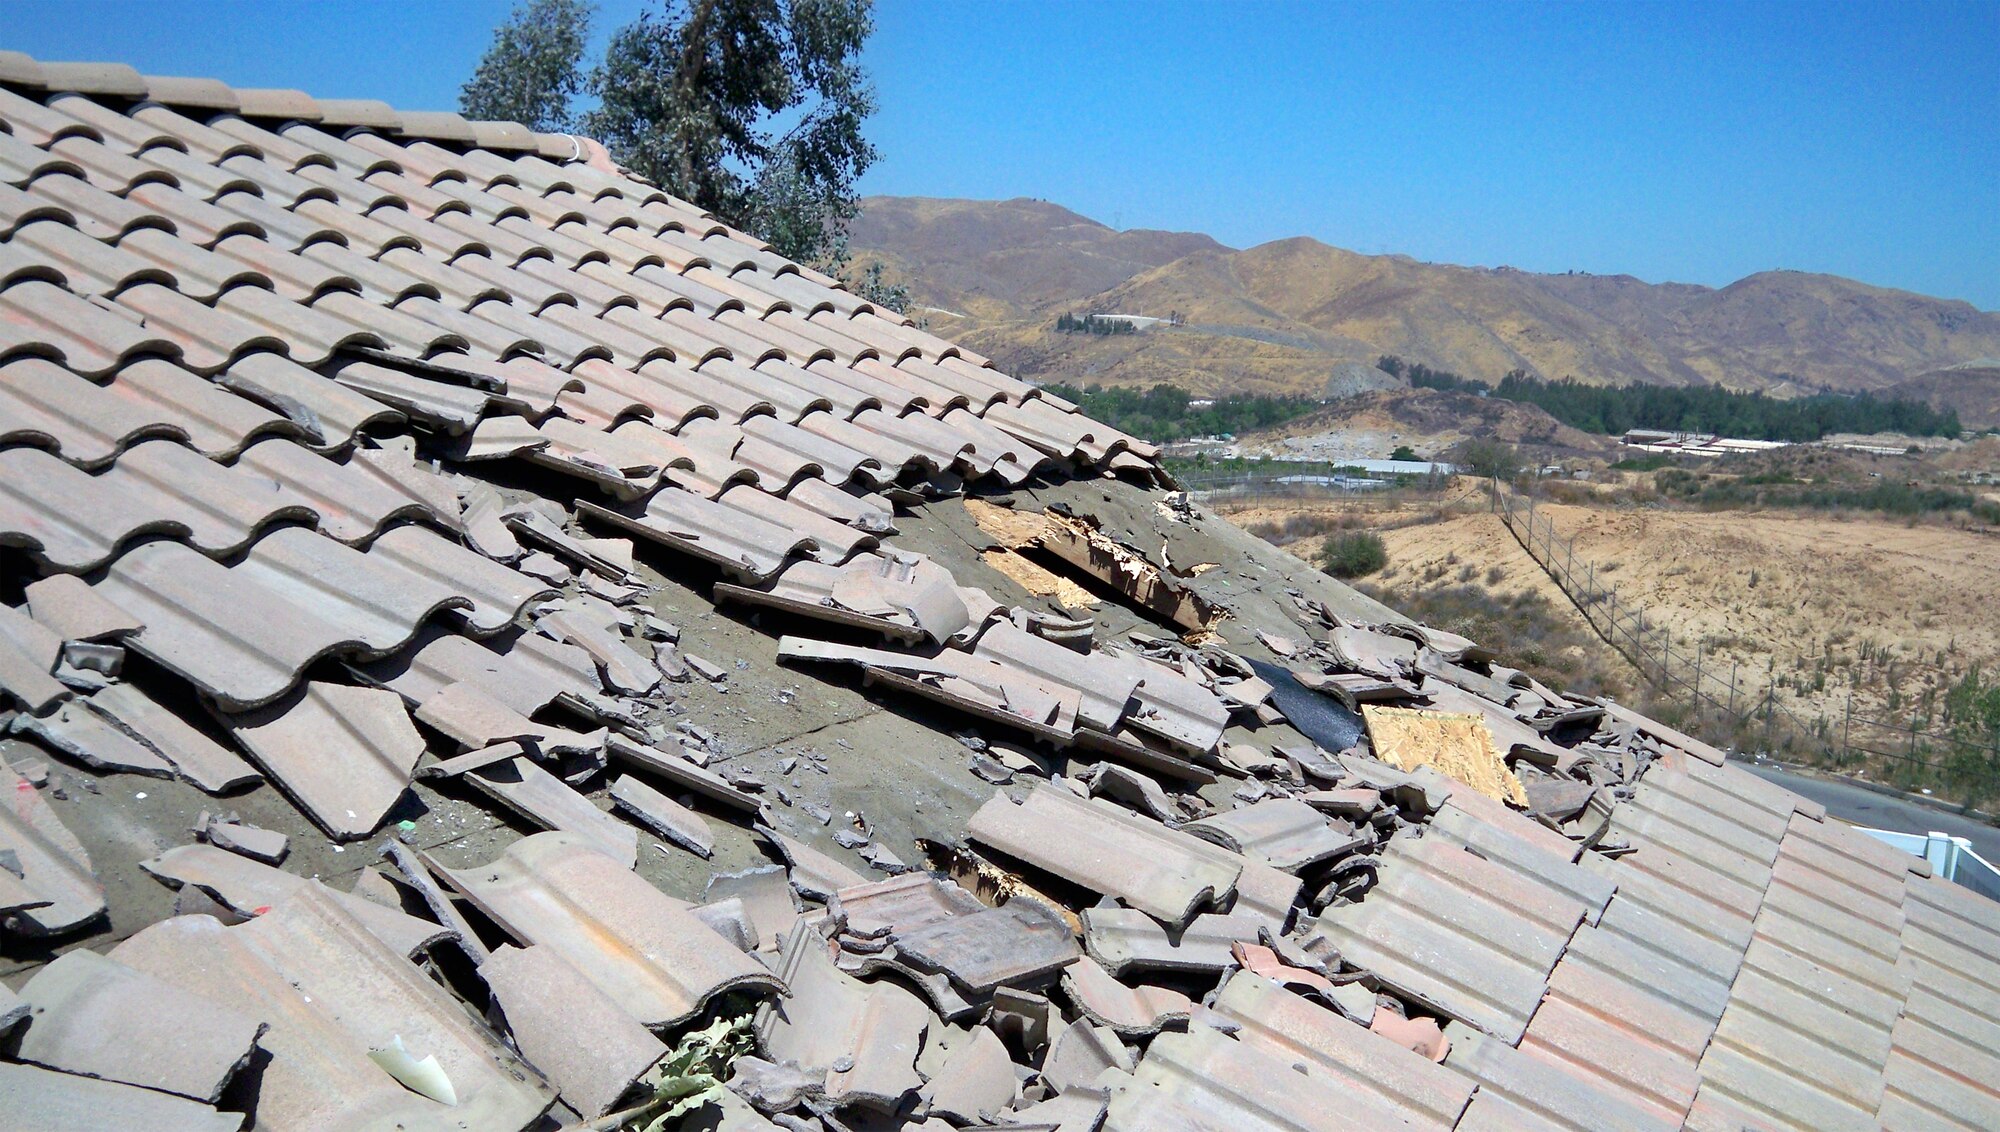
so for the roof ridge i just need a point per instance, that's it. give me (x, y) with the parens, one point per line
(122, 80)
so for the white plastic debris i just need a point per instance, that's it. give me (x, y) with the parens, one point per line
(422, 1076)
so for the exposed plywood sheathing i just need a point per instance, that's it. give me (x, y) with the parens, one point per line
(1459, 745)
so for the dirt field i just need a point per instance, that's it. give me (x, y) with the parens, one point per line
(1822, 606)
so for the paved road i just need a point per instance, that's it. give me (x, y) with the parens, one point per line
(1880, 811)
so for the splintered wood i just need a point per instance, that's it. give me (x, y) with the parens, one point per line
(1041, 582)
(1458, 745)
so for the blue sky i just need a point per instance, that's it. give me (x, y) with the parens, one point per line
(1696, 143)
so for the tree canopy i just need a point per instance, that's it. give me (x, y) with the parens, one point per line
(751, 109)
(1614, 409)
(534, 69)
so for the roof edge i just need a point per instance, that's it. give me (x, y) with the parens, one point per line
(117, 80)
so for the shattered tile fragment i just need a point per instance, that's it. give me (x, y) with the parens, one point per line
(864, 1037)
(1107, 1001)
(99, 1018)
(570, 1029)
(664, 816)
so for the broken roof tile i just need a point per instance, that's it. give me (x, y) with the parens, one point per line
(99, 1018)
(195, 757)
(54, 868)
(1460, 934)
(767, 898)
(332, 993)
(523, 669)
(1108, 1001)
(247, 887)
(1018, 945)
(864, 1037)
(662, 815)
(748, 546)
(524, 787)
(344, 754)
(1125, 939)
(1099, 846)
(29, 653)
(1282, 832)
(70, 609)
(86, 735)
(569, 1028)
(65, 1102)
(649, 953)
(1385, 1081)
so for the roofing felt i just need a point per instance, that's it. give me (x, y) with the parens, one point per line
(326, 432)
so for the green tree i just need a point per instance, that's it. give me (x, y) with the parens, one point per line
(692, 92)
(534, 67)
(870, 285)
(1489, 459)
(1404, 452)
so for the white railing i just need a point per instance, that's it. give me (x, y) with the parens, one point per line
(1952, 858)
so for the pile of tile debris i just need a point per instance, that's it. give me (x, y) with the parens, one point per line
(334, 443)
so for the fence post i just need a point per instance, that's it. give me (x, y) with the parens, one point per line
(1695, 700)
(1732, 689)
(1770, 696)
(1846, 722)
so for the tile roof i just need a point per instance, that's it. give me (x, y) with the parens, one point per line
(315, 416)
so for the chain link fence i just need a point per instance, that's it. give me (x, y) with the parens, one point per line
(1682, 672)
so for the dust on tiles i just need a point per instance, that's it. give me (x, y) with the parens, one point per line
(497, 648)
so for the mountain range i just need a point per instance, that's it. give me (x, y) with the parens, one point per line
(1282, 316)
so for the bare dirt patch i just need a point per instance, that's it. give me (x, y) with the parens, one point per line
(1820, 606)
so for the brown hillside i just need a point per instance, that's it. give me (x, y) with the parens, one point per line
(1974, 391)
(1280, 316)
(1004, 259)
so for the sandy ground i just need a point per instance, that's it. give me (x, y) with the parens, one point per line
(1882, 608)
(1880, 605)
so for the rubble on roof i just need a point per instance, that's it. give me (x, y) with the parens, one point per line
(357, 450)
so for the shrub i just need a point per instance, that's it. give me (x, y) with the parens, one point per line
(1352, 554)
(1303, 525)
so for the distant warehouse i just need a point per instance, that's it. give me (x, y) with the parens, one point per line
(1694, 443)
